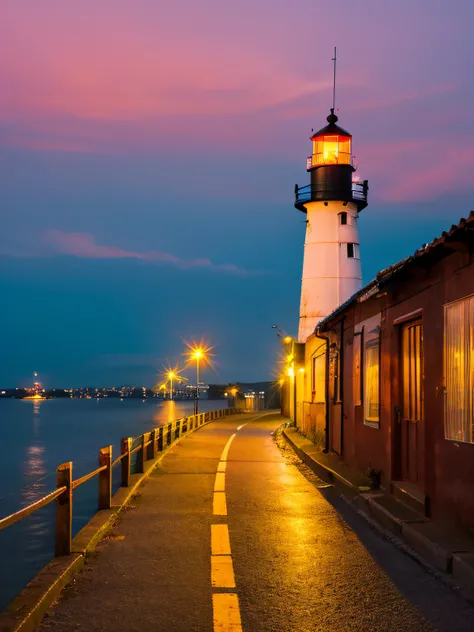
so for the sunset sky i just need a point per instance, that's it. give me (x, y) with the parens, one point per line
(149, 152)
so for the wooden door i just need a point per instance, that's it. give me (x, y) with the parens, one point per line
(411, 396)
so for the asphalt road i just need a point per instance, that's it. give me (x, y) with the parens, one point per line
(286, 553)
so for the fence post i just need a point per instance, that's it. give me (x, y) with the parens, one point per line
(105, 478)
(126, 443)
(152, 447)
(64, 509)
(141, 456)
(161, 433)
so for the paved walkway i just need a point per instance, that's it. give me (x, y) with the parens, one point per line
(231, 534)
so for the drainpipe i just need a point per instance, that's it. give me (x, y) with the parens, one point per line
(341, 383)
(326, 388)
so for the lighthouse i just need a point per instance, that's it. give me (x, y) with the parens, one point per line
(332, 203)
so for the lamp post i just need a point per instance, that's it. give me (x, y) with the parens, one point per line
(197, 355)
(291, 362)
(197, 352)
(171, 375)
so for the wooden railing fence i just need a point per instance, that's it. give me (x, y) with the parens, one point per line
(148, 446)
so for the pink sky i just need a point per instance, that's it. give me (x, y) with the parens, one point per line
(247, 77)
(149, 151)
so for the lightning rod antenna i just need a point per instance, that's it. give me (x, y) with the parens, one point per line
(334, 59)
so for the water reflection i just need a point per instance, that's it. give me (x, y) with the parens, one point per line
(34, 465)
(167, 411)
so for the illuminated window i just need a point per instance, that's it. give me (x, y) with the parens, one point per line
(356, 369)
(331, 150)
(459, 370)
(334, 377)
(412, 352)
(372, 377)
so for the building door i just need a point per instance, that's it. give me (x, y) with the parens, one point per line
(411, 410)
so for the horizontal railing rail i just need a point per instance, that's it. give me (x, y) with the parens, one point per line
(147, 448)
(27, 511)
(87, 477)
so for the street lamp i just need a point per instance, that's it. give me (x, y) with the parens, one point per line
(290, 362)
(200, 353)
(197, 355)
(171, 375)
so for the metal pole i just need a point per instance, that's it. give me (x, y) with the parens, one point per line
(171, 388)
(197, 385)
(294, 391)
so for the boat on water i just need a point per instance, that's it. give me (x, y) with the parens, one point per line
(36, 393)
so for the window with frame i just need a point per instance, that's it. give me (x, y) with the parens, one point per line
(334, 377)
(343, 218)
(372, 377)
(353, 251)
(412, 378)
(318, 378)
(357, 367)
(459, 370)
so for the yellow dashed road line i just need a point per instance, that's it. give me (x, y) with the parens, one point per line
(220, 482)
(219, 507)
(220, 542)
(225, 451)
(222, 571)
(225, 606)
(226, 613)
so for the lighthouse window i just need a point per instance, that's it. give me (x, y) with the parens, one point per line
(353, 251)
(343, 218)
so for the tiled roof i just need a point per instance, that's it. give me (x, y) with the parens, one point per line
(388, 273)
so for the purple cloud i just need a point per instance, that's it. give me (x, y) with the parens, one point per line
(84, 245)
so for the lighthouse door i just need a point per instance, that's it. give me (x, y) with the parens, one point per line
(411, 396)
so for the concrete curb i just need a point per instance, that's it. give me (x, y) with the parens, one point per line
(324, 472)
(27, 610)
(457, 564)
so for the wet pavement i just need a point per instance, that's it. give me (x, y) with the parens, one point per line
(302, 559)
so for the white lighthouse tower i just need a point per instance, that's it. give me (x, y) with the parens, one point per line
(332, 202)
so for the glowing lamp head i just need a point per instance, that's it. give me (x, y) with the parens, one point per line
(171, 375)
(332, 145)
